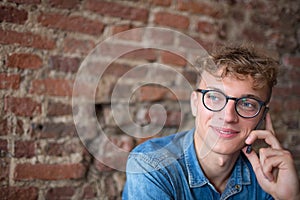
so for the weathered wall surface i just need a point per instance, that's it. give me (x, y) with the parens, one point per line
(44, 43)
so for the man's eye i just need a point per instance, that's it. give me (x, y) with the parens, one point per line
(248, 104)
(214, 96)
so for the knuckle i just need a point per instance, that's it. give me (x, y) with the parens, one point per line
(287, 153)
(263, 151)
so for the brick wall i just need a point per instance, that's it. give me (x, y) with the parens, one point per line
(44, 43)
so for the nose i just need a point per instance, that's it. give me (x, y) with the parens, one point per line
(230, 115)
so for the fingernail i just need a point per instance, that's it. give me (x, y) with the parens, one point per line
(249, 149)
(248, 139)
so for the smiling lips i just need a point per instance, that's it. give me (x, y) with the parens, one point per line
(225, 132)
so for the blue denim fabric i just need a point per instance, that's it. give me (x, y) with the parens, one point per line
(167, 168)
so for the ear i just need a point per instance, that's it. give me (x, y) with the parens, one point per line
(194, 103)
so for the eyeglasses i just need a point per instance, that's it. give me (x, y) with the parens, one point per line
(246, 107)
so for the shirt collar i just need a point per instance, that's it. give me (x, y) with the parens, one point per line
(240, 174)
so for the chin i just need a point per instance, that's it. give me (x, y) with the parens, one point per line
(226, 148)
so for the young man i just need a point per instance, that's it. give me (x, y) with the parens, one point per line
(214, 160)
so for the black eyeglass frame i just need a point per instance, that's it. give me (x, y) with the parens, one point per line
(261, 103)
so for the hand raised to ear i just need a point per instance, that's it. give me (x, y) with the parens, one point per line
(274, 168)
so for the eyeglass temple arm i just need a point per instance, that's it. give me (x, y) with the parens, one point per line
(262, 118)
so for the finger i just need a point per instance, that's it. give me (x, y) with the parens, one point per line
(269, 125)
(262, 160)
(265, 135)
(265, 154)
(256, 165)
(272, 165)
(269, 152)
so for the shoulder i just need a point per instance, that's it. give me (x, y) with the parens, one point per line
(167, 143)
(158, 152)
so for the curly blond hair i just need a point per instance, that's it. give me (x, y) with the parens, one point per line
(241, 62)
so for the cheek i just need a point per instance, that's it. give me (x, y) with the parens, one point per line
(203, 115)
(247, 125)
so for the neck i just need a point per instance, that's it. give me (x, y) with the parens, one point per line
(216, 167)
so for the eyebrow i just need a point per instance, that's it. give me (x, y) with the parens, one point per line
(243, 95)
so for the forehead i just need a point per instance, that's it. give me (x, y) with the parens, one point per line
(233, 86)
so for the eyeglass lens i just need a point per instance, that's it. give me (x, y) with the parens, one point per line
(216, 101)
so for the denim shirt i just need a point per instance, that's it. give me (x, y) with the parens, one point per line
(167, 168)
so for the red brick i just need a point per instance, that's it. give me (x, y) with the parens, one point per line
(263, 20)
(65, 64)
(52, 87)
(194, 44)
(7, 126)
(115, 50)
(25, 1)
(117, 69)
(172, 20)
(161, 37)
(78, 46)
(101, 167)
(291, 61)
(54, 130)
(282, 91)
(86, 89)
(173, 59)
(153, 93)
(19, 127)
(3, 147)
(294, 75)
(22, 106)
(135, 35)
(58, 109)
(238, 15)
(71, 23)
(11, 14)
(24, 149)
(142, 54)
(54, 149)
(89, 192)
(296, 89)
(4, 129)
(291, 121)
(19, 193)
(26, 39)
(28, 171)
(161, 3)
(199, 8)
(66, 4)
(60, 193)
(206, 27)
(292, 104)
(117, 10)
(276, 105)
(4, 168)
(173, 118)
(25, 61)
(190, 76)
(157, 93)
(114, 159)
(9, 81)
(120, 28)
(123, 142)
(63, 149)
(254, 35)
